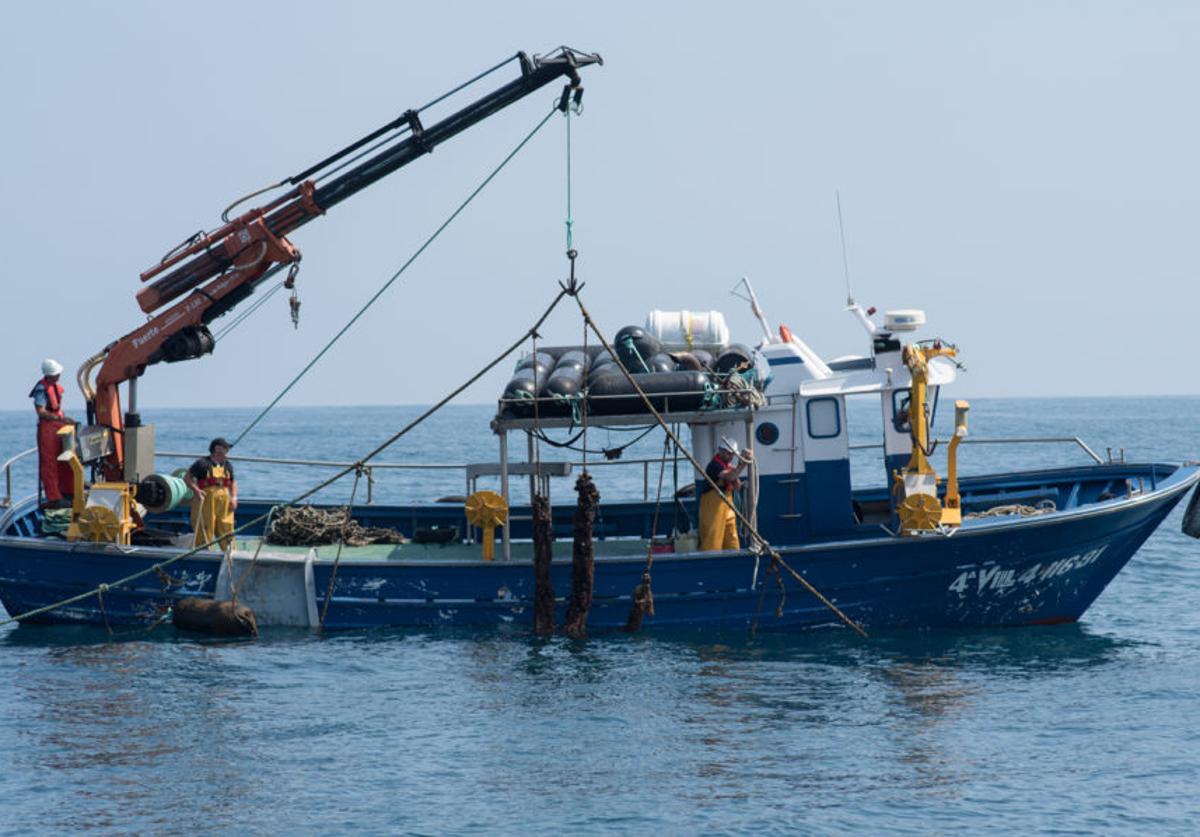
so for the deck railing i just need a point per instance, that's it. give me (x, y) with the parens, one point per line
(1020, 440)
(369, 470)
(470, 470)
(8, 499)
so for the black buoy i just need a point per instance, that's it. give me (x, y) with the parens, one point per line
(574, 357)
(566, 380)
(613, 395)
(735, 358)
(635, 348)
(543, 359)
(662, 362)
(523, 388)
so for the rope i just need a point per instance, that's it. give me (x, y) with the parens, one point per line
(608, 453)
(236, 584)
(643, 595)
(570, 220)
(1043, 507)
(395, 437)
(487, 180)
(776, 558)
(337, 559)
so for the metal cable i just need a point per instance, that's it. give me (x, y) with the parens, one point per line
(243, 315)
(467, 84)
(395, 275)
(368, 150)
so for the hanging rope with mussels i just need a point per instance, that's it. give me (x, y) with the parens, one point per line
(643, 596)
(758, 543)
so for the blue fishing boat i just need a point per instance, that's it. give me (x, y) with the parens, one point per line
(1027, 547)
(805, 548)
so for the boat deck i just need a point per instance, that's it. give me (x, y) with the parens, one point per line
(522, 551)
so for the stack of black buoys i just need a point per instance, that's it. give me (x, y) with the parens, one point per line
(674, 381)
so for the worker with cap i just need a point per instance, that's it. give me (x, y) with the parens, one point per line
(57, 481)
(718, 523)
(214, 495)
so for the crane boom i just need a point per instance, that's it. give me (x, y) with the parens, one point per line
(223, 267)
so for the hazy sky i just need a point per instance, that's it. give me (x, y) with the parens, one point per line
(1025, 172)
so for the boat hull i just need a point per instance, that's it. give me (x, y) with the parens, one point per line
(1012, 573)
(1000, 571)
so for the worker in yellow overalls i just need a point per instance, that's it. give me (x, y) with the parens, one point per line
(214, 495)
(718, 523)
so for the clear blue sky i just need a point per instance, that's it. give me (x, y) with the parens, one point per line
(1025, 172)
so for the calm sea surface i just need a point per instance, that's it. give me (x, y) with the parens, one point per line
(1069, 730)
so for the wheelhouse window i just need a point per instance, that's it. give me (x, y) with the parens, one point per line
(824, 418)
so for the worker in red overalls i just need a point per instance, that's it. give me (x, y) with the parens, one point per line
(57, 480)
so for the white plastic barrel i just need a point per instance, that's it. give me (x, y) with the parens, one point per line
(680, 331)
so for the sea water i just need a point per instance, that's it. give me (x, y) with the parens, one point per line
(1069, 729)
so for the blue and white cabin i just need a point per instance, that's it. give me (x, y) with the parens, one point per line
(801, 436)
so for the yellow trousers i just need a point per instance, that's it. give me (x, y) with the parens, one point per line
(718, 523)
(212, 517)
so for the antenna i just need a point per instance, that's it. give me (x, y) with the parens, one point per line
(864, 317)
(845, 260)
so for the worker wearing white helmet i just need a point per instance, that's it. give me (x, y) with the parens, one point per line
(718, 523)
(55, 476)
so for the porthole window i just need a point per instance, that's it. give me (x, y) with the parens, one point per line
(824, 418)
(767, 433)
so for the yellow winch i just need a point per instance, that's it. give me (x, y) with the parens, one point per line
(487, 510)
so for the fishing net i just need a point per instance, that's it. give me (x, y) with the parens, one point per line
(309, 526)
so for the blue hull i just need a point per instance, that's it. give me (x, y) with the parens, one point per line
(1011, 573)
(1002, 571)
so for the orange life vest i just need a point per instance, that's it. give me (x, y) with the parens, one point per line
(54, 394)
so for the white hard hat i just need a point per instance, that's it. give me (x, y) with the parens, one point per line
(729, 445)
(50, 366)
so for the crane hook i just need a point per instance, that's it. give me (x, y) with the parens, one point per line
(294, 299)
(294, 304)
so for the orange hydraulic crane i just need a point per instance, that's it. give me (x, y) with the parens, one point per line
(223, 267)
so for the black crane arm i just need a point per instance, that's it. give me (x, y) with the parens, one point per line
(211, 254)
